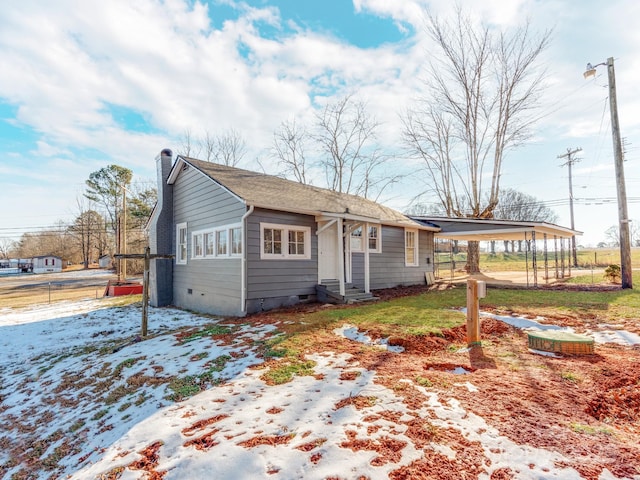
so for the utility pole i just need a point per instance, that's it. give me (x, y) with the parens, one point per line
(570, 161)
(623, 216)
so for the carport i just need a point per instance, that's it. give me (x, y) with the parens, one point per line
(556, 240)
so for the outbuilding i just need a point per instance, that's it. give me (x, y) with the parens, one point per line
(46, 264)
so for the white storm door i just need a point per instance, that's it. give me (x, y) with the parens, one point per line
(328, 253)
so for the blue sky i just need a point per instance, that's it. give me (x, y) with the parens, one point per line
(88, 84)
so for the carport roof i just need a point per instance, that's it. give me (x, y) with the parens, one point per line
(477, 229)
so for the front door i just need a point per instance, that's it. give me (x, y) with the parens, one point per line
(328, 265)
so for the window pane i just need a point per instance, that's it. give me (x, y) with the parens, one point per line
(221, 242)
(273, 241)
(209, 243)
(197, 245)
(236, 241)
(181, 247)
(410, 248)
(296, 242)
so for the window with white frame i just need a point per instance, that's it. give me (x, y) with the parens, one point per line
(209, 244)
(198, 245)
(181, 243)
(411, 248)
(218, 242)
(285, 242)
(373, 239)
(221, 242)
(236, 240)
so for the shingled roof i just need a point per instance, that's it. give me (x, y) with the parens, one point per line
(268, 191)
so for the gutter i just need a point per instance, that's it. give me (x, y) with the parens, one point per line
(243, 264)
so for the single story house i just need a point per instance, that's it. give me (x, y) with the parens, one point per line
(46, 264)
(244, 242)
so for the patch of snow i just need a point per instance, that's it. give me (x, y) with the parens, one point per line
(500, 450)
(53, 355)
(469, 386)
(543, 353)
(351, 332)
(621, 337)
(459, 371)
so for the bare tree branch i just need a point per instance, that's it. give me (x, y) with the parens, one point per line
(480, 97)
(289, 148)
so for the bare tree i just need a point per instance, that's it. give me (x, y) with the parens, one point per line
(351, 159)
(54, 241)
(518, 206)
(189, 147)
(612, 236)
(227, 148)
(231, 148)
(7, 246)
(289, 148)
(482, 91)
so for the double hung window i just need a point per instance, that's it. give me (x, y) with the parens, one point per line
(285, 242)
(411, 248)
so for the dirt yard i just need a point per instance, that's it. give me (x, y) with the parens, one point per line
(585, 407)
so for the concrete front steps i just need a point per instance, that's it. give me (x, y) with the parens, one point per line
(328, 291)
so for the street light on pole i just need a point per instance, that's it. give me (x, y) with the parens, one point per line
(623, 216)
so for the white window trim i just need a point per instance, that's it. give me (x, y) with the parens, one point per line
(416, 254)
(358, 247)
(285, 255)
(206, 235)
(230, 241)
(195, 235)
(224, 232)
(213, 231)
(179, 260)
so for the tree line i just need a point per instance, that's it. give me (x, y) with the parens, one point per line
(111, 213)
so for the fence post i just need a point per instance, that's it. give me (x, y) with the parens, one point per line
(473, 313)
(145, 291)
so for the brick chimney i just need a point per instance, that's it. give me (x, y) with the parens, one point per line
(162, 236)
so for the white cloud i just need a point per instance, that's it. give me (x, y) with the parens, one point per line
(165, 61)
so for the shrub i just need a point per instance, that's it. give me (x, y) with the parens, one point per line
(612, 273)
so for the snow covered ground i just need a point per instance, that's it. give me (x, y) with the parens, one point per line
(93, 402)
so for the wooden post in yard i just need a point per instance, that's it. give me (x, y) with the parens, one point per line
(473, 313)
(145, 290)
(145, 282)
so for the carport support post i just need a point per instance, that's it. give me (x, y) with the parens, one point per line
(473, 313)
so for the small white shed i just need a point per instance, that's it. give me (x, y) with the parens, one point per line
(47, 264)
(105, 261)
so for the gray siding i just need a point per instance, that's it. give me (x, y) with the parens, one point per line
(272, 283)
(209, 285)
(387, 269)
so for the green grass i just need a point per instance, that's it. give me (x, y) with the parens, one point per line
(590, 430)
(208, 331)
(430, 313)
(517, 261)
(416, 315)
(611, 305)
(285, 372)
